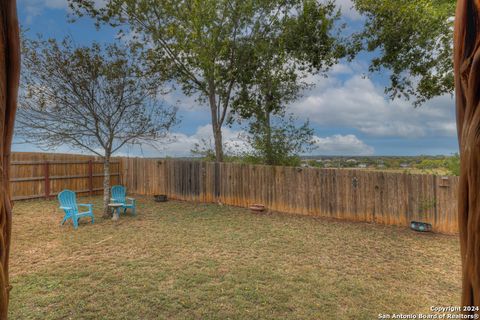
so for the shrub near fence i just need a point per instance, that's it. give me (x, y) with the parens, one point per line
(44, 175)
(356, 195)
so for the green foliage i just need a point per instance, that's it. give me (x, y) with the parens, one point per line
(431, 164)
(413, 40)
(285, 143)
(293, 47)
(208, 47)
(453, 164)
(392, 163)
(97, 98)
(281, 143)
(203, 150)
(279, 59)
(436, 165)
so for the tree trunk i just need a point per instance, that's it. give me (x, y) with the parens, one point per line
(106, 186)
(217, 135)
(467, 87)
(9, 79)
(269, 159)
(216, 125)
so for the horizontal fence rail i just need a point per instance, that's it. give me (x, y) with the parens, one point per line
(44, 175)
(355, 195)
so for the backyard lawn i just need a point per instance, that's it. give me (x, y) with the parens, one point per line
(180, 260)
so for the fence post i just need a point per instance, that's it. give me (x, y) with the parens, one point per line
(90, 177)
(47, 179)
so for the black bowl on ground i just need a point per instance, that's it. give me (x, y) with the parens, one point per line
(420, 226)
(160, 197)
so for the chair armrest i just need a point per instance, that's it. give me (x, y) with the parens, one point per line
(131, 199)
(66, 208)
(85, 205)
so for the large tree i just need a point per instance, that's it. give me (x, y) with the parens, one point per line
(262, 101)
(96, 98)
(278, 141)
(9, 79)
(412, 41)
(204, 44)
(293, 48)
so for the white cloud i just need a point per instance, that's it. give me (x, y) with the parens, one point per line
(341, 68)
(357, 103)
(183, 102)
(342, 145)
(54, 4)
(348, 10)
(40, 5)
(180, 144)
(35, 8)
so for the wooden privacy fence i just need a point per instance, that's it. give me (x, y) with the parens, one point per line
(357, 195)
(42, 175)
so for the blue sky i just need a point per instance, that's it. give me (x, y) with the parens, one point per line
(349, 112)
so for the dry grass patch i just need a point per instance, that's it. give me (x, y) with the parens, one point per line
(180, 260)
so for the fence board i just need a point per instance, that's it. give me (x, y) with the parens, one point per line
(36, 175)
(356, 195)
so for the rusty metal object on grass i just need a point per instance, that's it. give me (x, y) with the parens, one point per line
(257, 207)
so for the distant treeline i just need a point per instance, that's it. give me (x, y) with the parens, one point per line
(445, 165)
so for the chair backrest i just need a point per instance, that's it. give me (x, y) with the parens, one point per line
(119, 193)
(68, 198)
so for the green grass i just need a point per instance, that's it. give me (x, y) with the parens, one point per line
(180, 260)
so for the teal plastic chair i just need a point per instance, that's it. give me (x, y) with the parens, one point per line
(68, 202)
(119, 195)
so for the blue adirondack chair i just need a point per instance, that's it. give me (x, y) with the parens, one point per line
(119, 194)
(68, 202)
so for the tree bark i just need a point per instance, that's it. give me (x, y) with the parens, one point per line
(467, 89)
(269, 159)
(106, 186)
(216, 125)
(9, 80)
(217, 135)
